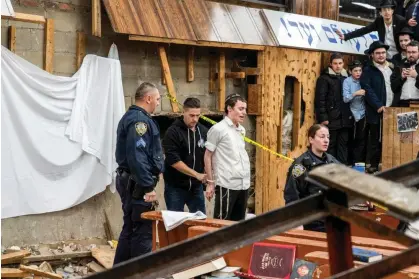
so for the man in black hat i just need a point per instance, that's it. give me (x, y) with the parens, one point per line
(375, 80)
(405, 79)
(404, 38)
(388, 25)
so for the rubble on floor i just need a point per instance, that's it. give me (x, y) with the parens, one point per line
(65, 260)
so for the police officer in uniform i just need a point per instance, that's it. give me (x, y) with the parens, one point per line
(140, 159)
(296, 187)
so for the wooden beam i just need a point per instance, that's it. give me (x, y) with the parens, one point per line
(168, 77)
(240, 75)
(14, 256)
(40, 272)
(96, 18)
(212, 72)
(49, 46)
(13, 273)
(194, 43)
(221, 80)
(26, 18)
(81, 48)
(49, 258)
(260, 194)
(12, 38)
(190, 64)
(259, 4)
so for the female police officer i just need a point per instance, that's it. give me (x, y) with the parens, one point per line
(296, 187)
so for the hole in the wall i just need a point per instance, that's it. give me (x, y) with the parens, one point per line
(293, 114)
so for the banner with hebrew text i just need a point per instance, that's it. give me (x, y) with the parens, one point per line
(298, 31)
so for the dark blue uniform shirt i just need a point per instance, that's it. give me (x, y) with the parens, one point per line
(138, 148)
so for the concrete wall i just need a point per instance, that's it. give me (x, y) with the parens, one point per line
(139, 63)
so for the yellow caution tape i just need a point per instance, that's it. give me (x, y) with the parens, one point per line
(173, 99)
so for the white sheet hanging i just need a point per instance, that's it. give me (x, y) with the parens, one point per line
(58, 133)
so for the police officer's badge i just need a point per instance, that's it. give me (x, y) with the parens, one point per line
(298, 170)
(141, 128)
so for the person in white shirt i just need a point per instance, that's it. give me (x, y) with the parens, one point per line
(227, 163)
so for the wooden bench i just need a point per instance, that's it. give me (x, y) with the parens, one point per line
(180, 233)
(322, 259)
(311, 250)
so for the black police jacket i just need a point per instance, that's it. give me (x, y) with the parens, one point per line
(182, 144)
(298, 188)
(138, 147)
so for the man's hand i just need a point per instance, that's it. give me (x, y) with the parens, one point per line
(360, 92)
(405, 73)
(325, 122)
(209, 193)
(382, 109)
(201, 177)
(150, 197)
(412, 73)
(412, 22)
(340, 34)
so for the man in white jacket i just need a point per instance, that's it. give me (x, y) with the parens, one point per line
(227, 162)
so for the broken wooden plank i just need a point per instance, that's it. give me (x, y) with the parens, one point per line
(212, 72)
(41, 258)
(14, 256)
(94, 266)
(395, 196)
(12, 38)
(239, 75)
(49, 46)
(190, 64)
(36, 271)
(96, 19)
(105, 256)
(221, 80)
(81, 48)
(13, 273)
(26, 18)
(168, 77)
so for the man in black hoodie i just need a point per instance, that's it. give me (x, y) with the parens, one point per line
(331, 110)
(184, 147)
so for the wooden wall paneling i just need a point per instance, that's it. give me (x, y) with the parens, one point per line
(168, 77)
(96, 18)
(49, 46)
(396, 141)
(279, 63)
(221, 80)
(81, 48)
(175, 18)
(387, 139)
(259, 187)
(12, 38)
(406, 144)
(190, 64)
(254, 99)
(148, 15)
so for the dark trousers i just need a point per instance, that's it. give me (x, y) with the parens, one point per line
(136, 235)
(360, 139)
(375, 137)
(177, 197)
(406, 103)
(338, 145)
(230, 204)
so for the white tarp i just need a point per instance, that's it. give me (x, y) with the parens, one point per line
(58, 133)
(7, 8)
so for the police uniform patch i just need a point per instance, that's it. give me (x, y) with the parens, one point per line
(298, 170)
(140, 142)
(141, 128)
